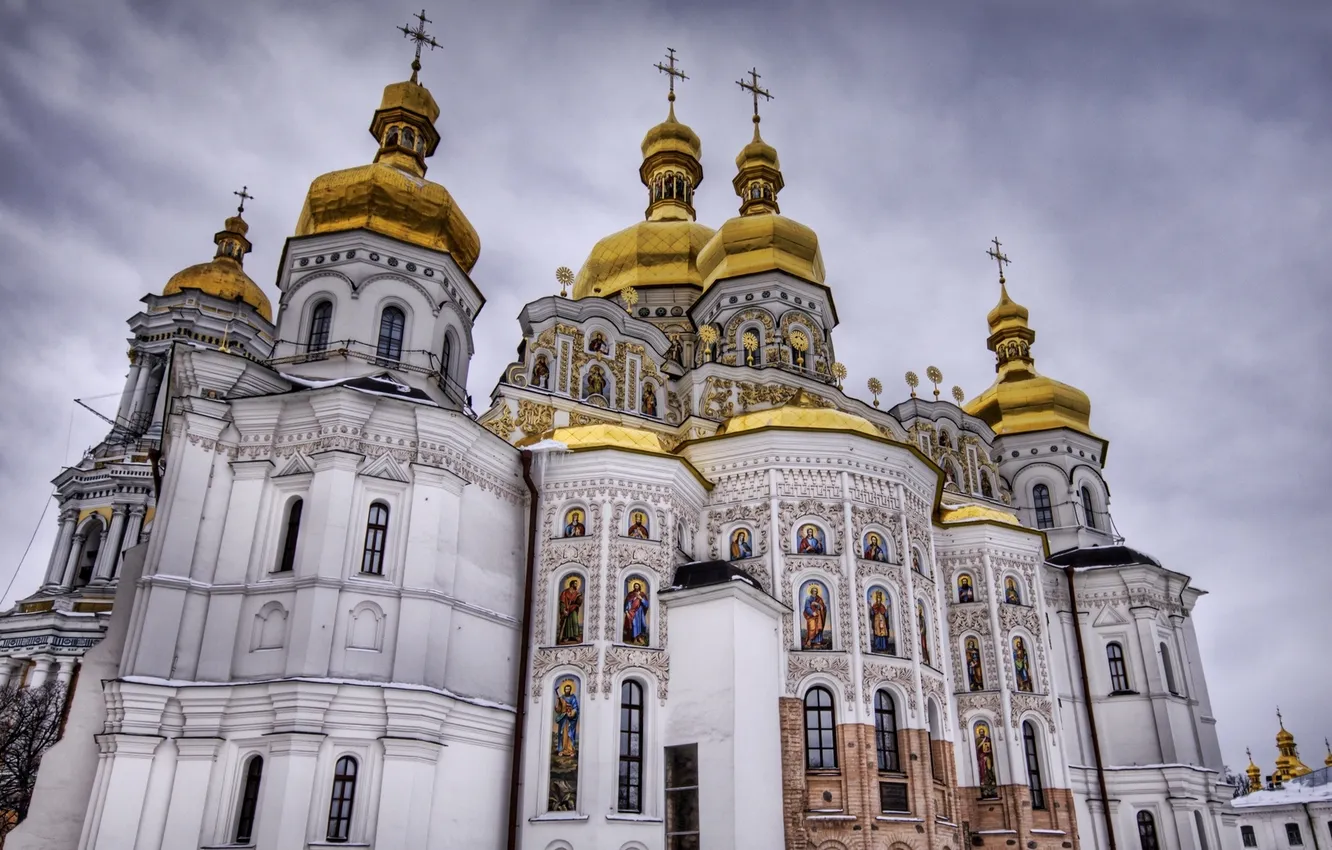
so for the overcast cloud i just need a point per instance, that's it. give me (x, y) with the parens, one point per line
(1159, 176)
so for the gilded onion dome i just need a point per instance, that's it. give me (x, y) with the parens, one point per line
(760, 239)
(1288, 764)
(391, 196)
(801, 412)
(224, 277)
(661, 250)
(1020, 399)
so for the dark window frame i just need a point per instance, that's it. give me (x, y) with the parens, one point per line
(376, 539)
(821, 736)
(249, 805)
(1114, 655)
(1089, 507)
(291, 536)
(1294, 837)
(1169, 669)
(629, 798)
(321, 325)
(1032, 752)
(1247, 836)
(1147, 837)
(392, 330)
(885, 732)
(1040, 500)
(341, 800)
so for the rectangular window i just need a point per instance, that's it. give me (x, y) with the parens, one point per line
(1293, 835)
(682, 797)
(1246, 833)
(893, 797)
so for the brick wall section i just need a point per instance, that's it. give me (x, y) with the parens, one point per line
(1010, 818)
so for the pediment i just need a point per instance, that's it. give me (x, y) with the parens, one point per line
(385, 467)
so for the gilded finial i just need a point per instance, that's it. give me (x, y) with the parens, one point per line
(839, 372)
(1280, 722)
(707, 335)
(912, 381)
(751, 344)
(935, 377)
(565, 276)
(244, 195)
(875, 387)
(753, 88)
(1327, 761)
(800, 342)
(422, 39)
(629, 296)
(999, 257)
(672, 72)
(958, 395)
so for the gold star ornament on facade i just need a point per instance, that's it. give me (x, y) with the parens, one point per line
(875, 388)
(935, 377)
(800, 343)
(565, 276)
(629, 296)
(958, 395)
(839, 372)
(912, 381)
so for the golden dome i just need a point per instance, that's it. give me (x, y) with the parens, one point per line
(760, 239)
(795, 416)
(973, 513)
(663, 249)
(224, 277)
(608, 436)
(391, 195)
(1020, 400)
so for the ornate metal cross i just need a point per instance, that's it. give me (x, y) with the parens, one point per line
(244, 195)
(671, 71)
(421, 37)
(999, 257)
(753, 87)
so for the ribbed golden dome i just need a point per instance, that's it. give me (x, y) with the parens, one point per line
(1021, 400)
(975, 513)
(795, 416)
(391, 195)
(224, 276)
(760, 239)
(608, 436)
(672, 136)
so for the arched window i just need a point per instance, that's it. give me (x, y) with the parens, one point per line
(1040, 497)
(1147, 831)
(92, 546)
(340, 802)
(1202, 829)
(290, 536)
(446, 356)
(987, 490)
(943, 438)
(1119, 680)
(1169, 670)
(631, 747)
(254, 771)
(376, 530)
(392, 323)
(321, 322)
(1088, 506)
(885, 731)
(1033, 765)
(820, 731)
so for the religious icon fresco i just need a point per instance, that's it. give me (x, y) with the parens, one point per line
(810, 540)
(595, 383)
(638, 525)
(880, 609)
(648, 403)
(597, 344)
(817, 631)
(541, 372)
(563, 796)
(573, 523)
(917, 563)
(637, 608)
(1011, 595)
(1021, 665)
(975, 672)
(965, 591)
(873, 549)
(924, 632)
(985, 772)
(741, 547)
(570, 620)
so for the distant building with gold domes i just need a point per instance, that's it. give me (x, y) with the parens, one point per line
(1292, 806)
(673, 588)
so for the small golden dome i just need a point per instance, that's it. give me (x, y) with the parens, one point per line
(974, 513)
(224, 276)
(796, 416)
(1283, 737)
(673, 137)
(608, 436)
(1021, 400)
(391, 195)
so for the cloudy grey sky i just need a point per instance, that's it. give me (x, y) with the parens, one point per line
(1158, 172)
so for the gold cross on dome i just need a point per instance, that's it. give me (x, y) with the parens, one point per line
(671, 71)
(244, 195)
(753, 87)
(999, 257)
(421, 37)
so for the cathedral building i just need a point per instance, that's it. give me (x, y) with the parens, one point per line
(673, 589)
(1293, 802)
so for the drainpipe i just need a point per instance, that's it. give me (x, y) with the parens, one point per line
(1091, 712)
(524, 655)
(1313, 827)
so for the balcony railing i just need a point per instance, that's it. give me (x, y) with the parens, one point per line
(415, 361)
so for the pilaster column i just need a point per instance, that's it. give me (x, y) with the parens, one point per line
(193, 785)
(1010, 764)
(125, 767)
(133, 528)
(55, 568)
(65, 671)
(110, 552)
(407, 790)
(7, 668)
(127, 395)
(287, 790)
(140, 385)
(41, 670)
(72, 561)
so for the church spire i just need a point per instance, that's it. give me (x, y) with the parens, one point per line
(404, 124)
(672, 152)
(758, 176)
(1288, 763)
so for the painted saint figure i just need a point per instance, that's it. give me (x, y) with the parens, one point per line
(881, 624)
(638, 527)
(648, 403)
(989, 779)
(541, 372)
(636, 607)
(597, 344)
(874, 550)
(924, 632)
(815, 612)
(1021, 665)
(1011, 595)
(740, 545)
(975, 672)
(811, 540)
(965, 592)
(571, 612)
(595, 383)
(573, 524)
(916, 563)
(563, 795)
